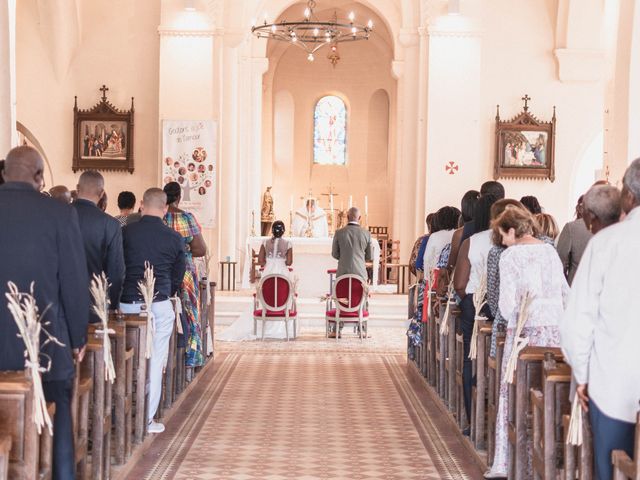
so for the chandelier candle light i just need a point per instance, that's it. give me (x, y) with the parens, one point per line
(311, 33)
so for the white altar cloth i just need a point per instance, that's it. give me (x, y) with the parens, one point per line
(311, 260)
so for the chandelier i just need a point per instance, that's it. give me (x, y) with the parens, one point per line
(311, 34)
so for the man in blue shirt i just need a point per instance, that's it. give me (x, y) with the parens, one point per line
(150, 240)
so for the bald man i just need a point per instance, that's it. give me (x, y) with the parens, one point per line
(43, 245)
(352, 247)
(60, 193)
(102, 236)
(150, 240)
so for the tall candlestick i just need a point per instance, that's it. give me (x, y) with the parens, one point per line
(350, 201)
(291, 203)
(366, 205)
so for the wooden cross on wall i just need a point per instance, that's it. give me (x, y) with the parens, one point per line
(526, 99)
(104, 91)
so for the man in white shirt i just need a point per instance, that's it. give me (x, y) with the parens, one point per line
(600, 329)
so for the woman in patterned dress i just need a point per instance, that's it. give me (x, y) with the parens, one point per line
(187, 226)
(527, 266)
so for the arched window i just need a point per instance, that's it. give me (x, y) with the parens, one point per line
(330, 131)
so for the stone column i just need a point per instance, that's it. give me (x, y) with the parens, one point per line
(8, 136)
(229, 152)
(405, 200)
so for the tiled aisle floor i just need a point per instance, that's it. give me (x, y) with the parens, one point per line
(279, 414)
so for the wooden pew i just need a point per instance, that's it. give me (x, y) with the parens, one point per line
(45, 457)
(122, 388)
(459, 411)
(211, 316)
(93, 366)
(432, 341)
(30, 454)
(548, 406)
(450, 363)
(136, 328)
(441, 351)
(479, 392)
(494, 377)
(5, 449)
(625, 468)
(80, 405)
(578, 461)
(169, 377)
(528, 375)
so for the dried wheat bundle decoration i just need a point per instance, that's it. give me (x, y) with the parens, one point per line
(207, 260)
(518, 342)
(147, 287)
(24, 310)
(428, 289)
(574, 436)
(479, 301)
(444, 325)
(177, 308)
(99, 292)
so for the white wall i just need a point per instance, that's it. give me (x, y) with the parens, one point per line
(496, 59)
(117, 45)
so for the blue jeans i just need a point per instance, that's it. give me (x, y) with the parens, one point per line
(608, 434)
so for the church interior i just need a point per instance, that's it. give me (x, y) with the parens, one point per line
(337, 319)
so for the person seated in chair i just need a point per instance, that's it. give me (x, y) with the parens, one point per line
(352, 248)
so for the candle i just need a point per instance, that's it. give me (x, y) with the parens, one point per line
(331, 203)
(350, 201)
(291, 203)
(366, 205)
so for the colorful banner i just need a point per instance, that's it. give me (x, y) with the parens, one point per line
(189, 158)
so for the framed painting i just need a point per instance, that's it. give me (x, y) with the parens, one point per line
(103, 137)
(525, 146)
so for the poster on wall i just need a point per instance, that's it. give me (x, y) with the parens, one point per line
(189, 158)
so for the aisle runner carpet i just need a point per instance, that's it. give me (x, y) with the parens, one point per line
(320, 415)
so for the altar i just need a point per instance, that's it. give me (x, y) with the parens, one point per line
(311, 260)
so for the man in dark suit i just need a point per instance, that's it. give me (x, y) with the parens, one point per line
(102, 236)
(41, 243)
(352, 247)
(150, 240)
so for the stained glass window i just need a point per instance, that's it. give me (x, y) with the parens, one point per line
(330, 131)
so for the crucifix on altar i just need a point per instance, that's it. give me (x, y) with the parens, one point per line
(331, 219)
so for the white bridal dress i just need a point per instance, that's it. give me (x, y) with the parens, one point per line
(242, 328)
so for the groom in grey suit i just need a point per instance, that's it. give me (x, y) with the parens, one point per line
(352, 247)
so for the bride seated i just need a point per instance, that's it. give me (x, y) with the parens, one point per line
(276, 256)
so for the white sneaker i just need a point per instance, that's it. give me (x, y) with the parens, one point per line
(155, 427)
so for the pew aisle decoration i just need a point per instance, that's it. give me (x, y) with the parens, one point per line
(207, 262)
(24, 310)
(519, 342)
(444, 325)
(428, 290)
(177, 307)
(479, 301)
(99, 292)
(147, 287)
(574, 436)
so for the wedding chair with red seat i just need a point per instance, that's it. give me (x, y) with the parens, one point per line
(349, 297)
(275, 302)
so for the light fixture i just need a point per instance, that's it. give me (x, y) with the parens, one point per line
(334, 56)
(189, 5)
(311, 33)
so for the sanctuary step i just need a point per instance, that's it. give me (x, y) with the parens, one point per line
(385, 310)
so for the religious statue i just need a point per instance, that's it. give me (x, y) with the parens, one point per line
(310, 221)
(266, 215)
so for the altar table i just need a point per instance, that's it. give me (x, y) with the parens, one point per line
(311, 260)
